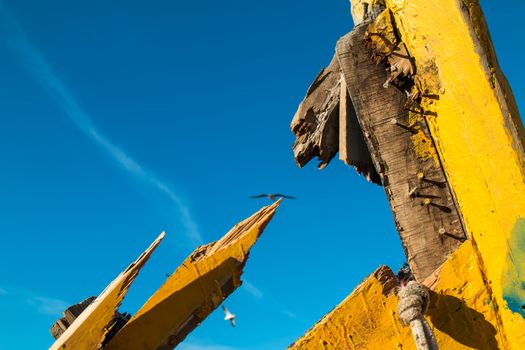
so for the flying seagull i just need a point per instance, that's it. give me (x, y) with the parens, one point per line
(229, 316)
(272, 196)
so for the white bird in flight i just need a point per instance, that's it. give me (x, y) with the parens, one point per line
(229, 316)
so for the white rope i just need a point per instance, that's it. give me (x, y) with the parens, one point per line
(413, 303)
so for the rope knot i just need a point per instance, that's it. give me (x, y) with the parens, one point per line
(413, 301)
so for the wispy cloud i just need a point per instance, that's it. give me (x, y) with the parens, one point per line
(253, 290)
(49, 306)
(20, 298)
(40, 69)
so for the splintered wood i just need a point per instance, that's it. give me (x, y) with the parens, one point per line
(316, 121)
(325, 123)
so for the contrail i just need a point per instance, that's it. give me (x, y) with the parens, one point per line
(41, 71)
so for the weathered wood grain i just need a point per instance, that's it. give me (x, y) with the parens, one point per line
(316, 121)
(318, 129)
(353, 150)
(422, 205)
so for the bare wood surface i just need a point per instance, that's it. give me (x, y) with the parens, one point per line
(316, 121)
(318, 129)
(353, 150)
(422, 205)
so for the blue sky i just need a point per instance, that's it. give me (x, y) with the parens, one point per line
(120, 120)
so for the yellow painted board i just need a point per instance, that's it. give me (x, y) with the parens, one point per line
(364, 320)
(478, 135)
(88, 331)
(194, 290)
(460, 313)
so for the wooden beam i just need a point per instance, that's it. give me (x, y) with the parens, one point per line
(421, 202)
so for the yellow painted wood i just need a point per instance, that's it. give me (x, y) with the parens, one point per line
(478, 135)
(88, 331)
(364, 320)
(461, 314)
(193, 291)
(478, 295)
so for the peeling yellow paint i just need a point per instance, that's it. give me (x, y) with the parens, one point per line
(381, 36)
(194, 290)
(476, 132)
(422, 144)
(88, 331)
(384, 44)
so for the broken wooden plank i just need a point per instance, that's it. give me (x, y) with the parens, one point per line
(59, 327)
(209, 275)
(89, 329)
(72, 312)
(353, 150)
(424, 210)
(315, 124)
